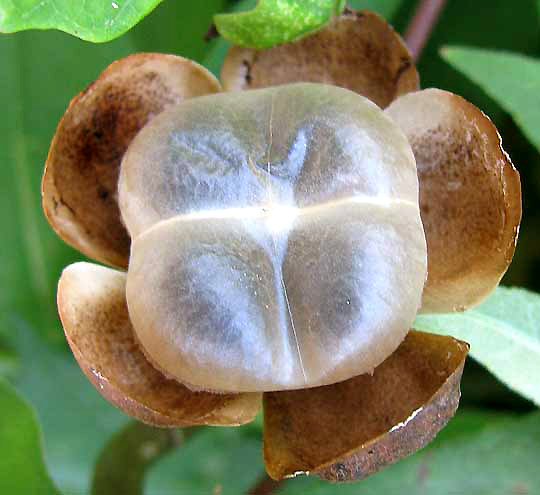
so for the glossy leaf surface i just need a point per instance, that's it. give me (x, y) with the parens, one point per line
(98, 21)
(276, 21)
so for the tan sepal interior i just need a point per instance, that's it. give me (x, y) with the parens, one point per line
(349, 430)
(359, 51)
(93, 310)
(80, 183)
(470, 196)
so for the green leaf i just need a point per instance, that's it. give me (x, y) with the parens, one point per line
(21, 463)
(97, 21)
(274, 22)
(226, 461)
(511, 79)
(504, 334)
(478, 453)
(76, 420)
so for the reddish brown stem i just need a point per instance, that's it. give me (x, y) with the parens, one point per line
(265, 486)
(424, 20)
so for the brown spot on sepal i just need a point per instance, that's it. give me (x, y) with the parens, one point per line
(349, 430)
(358, 51)
(470, 196)
(248, 69)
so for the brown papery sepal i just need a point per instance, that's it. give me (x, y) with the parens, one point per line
(359, 51)
(80, 183)
(349, 430)
(93, 310)
(470, 196)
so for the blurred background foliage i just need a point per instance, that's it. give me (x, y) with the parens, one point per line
(46, 403)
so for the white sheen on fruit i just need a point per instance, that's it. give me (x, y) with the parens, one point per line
(277, 240)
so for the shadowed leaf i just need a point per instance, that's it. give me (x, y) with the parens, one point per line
(9, 361)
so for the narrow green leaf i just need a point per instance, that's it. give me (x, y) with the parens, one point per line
(512, 80)
(478, 453)
(97, 21)
(21, 462)
(504, 334)
(274, 22)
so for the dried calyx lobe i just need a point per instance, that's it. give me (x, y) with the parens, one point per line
(81, 176)
(277, 241)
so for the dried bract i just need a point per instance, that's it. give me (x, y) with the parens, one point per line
(81, 176)
(359, 51)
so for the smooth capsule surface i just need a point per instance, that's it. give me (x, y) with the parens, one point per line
(276, 238)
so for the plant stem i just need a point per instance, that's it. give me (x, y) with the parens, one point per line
(424, 20)
(122, 464)
(265, 486)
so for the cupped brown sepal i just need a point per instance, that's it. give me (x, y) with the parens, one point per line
(80, 183)
(94, 313)
(359, 51)
(349, 430)
(470, 196)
